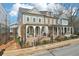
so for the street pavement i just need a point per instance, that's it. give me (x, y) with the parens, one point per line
(72, 50)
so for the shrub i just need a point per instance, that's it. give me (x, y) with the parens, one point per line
(73, 36)
(26, 45)
(41, 42)
(77, 33)
(37, 43)
(17, 40)
(1, 42)
(61, 38)
(66, 38)
(45, 41)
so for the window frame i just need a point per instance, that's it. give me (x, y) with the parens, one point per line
(27, 19)
(39, 19)
(34, 20)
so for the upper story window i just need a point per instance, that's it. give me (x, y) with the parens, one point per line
(33, 19)
(48, 20)
(39, 20)
(27, 18)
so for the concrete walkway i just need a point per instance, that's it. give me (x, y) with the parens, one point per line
(32, 50)
(5, 46)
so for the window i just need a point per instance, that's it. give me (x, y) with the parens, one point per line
(39, 20)
(33, 19)
(27, 18)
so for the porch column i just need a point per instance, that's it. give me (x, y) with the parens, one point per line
(60, 30)
(40, 30)
(67, 30)
(53, 33)
(57, 31)
(72, 30)
(46, 30)
(19, 30)
(26, 30)
(34, 30)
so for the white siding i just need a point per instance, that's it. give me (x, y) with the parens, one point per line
(42, 20)
(64, 22)
(54, 21)
(31, 19)
(46, 20)
(51, 21)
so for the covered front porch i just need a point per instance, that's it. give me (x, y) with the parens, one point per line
(59, 30)
(36, 30)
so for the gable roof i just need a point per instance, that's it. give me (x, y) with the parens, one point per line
(24, 10)
(21, 10)
(33, 11)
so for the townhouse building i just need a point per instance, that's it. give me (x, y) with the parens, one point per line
(35, 23)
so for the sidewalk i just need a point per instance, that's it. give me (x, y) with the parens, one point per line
(29, 51)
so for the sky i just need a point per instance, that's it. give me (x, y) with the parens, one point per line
(12, 8)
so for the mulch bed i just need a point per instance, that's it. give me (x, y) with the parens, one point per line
(4, 46)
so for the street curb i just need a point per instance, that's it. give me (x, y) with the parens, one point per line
(29, 51)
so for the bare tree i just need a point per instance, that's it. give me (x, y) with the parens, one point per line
(71, 14)
(59, 10)
(56, 9)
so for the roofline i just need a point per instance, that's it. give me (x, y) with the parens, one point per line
(25, 12)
